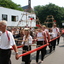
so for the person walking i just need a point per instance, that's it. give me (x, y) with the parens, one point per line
(41, 40)
(57, 33)
(7, 42)
(62, 33)
(46, 30)
(27, 41)
(51, 43)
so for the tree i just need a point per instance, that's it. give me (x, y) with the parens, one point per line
(10, 4)
(51, 9)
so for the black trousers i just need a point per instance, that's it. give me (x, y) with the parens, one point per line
(26, 58)
(54, 44)
(5, 56)
(41, 50)
(58, 41)
(51, 46)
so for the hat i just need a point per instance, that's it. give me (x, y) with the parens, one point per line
(27, 29)
(44, 26)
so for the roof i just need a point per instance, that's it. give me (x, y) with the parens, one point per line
(25, 7)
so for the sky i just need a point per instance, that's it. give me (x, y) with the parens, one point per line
(39, 2)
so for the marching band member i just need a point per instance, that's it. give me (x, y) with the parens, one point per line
(47, 35)
(51, 44)
(47, 32)
(41, 38)
(56, 31)
(6, 43)
(27, 41)
(62, 33)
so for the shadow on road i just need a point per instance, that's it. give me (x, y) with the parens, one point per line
(61, 46)
(33, 56)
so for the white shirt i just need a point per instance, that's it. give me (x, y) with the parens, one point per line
(46, 32)
(5, 43)
(55, 30)
(40, 34)
(52, 35)
(29, 42)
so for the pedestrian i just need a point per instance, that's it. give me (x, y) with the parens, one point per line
(57, 33)
(62, 33)
(27, 41)
(47, 32)
(45, 29)
(7, 42)
(51, 43)
(41, 40)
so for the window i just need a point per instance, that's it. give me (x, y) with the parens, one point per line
(13, 18)
(31, 17)
(4, 17)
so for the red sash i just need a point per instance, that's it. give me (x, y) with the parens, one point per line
(7, 35)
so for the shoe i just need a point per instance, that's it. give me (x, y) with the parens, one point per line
(36, 62)
(50, 51)
(41, 61)
(54, 49)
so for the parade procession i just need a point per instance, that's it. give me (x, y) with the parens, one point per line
(31, 36)
(26, 38)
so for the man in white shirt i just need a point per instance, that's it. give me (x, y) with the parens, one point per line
(56, 30)
(7, 42)
(57, 33)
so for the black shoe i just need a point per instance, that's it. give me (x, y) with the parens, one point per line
(50, 51)
(53, 48)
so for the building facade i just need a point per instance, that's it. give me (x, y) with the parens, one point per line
(17, 18)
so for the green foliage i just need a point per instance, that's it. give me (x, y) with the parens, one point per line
(35, 27)
(51, 9)
(10, 4)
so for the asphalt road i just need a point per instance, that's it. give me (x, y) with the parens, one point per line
(56, 57)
